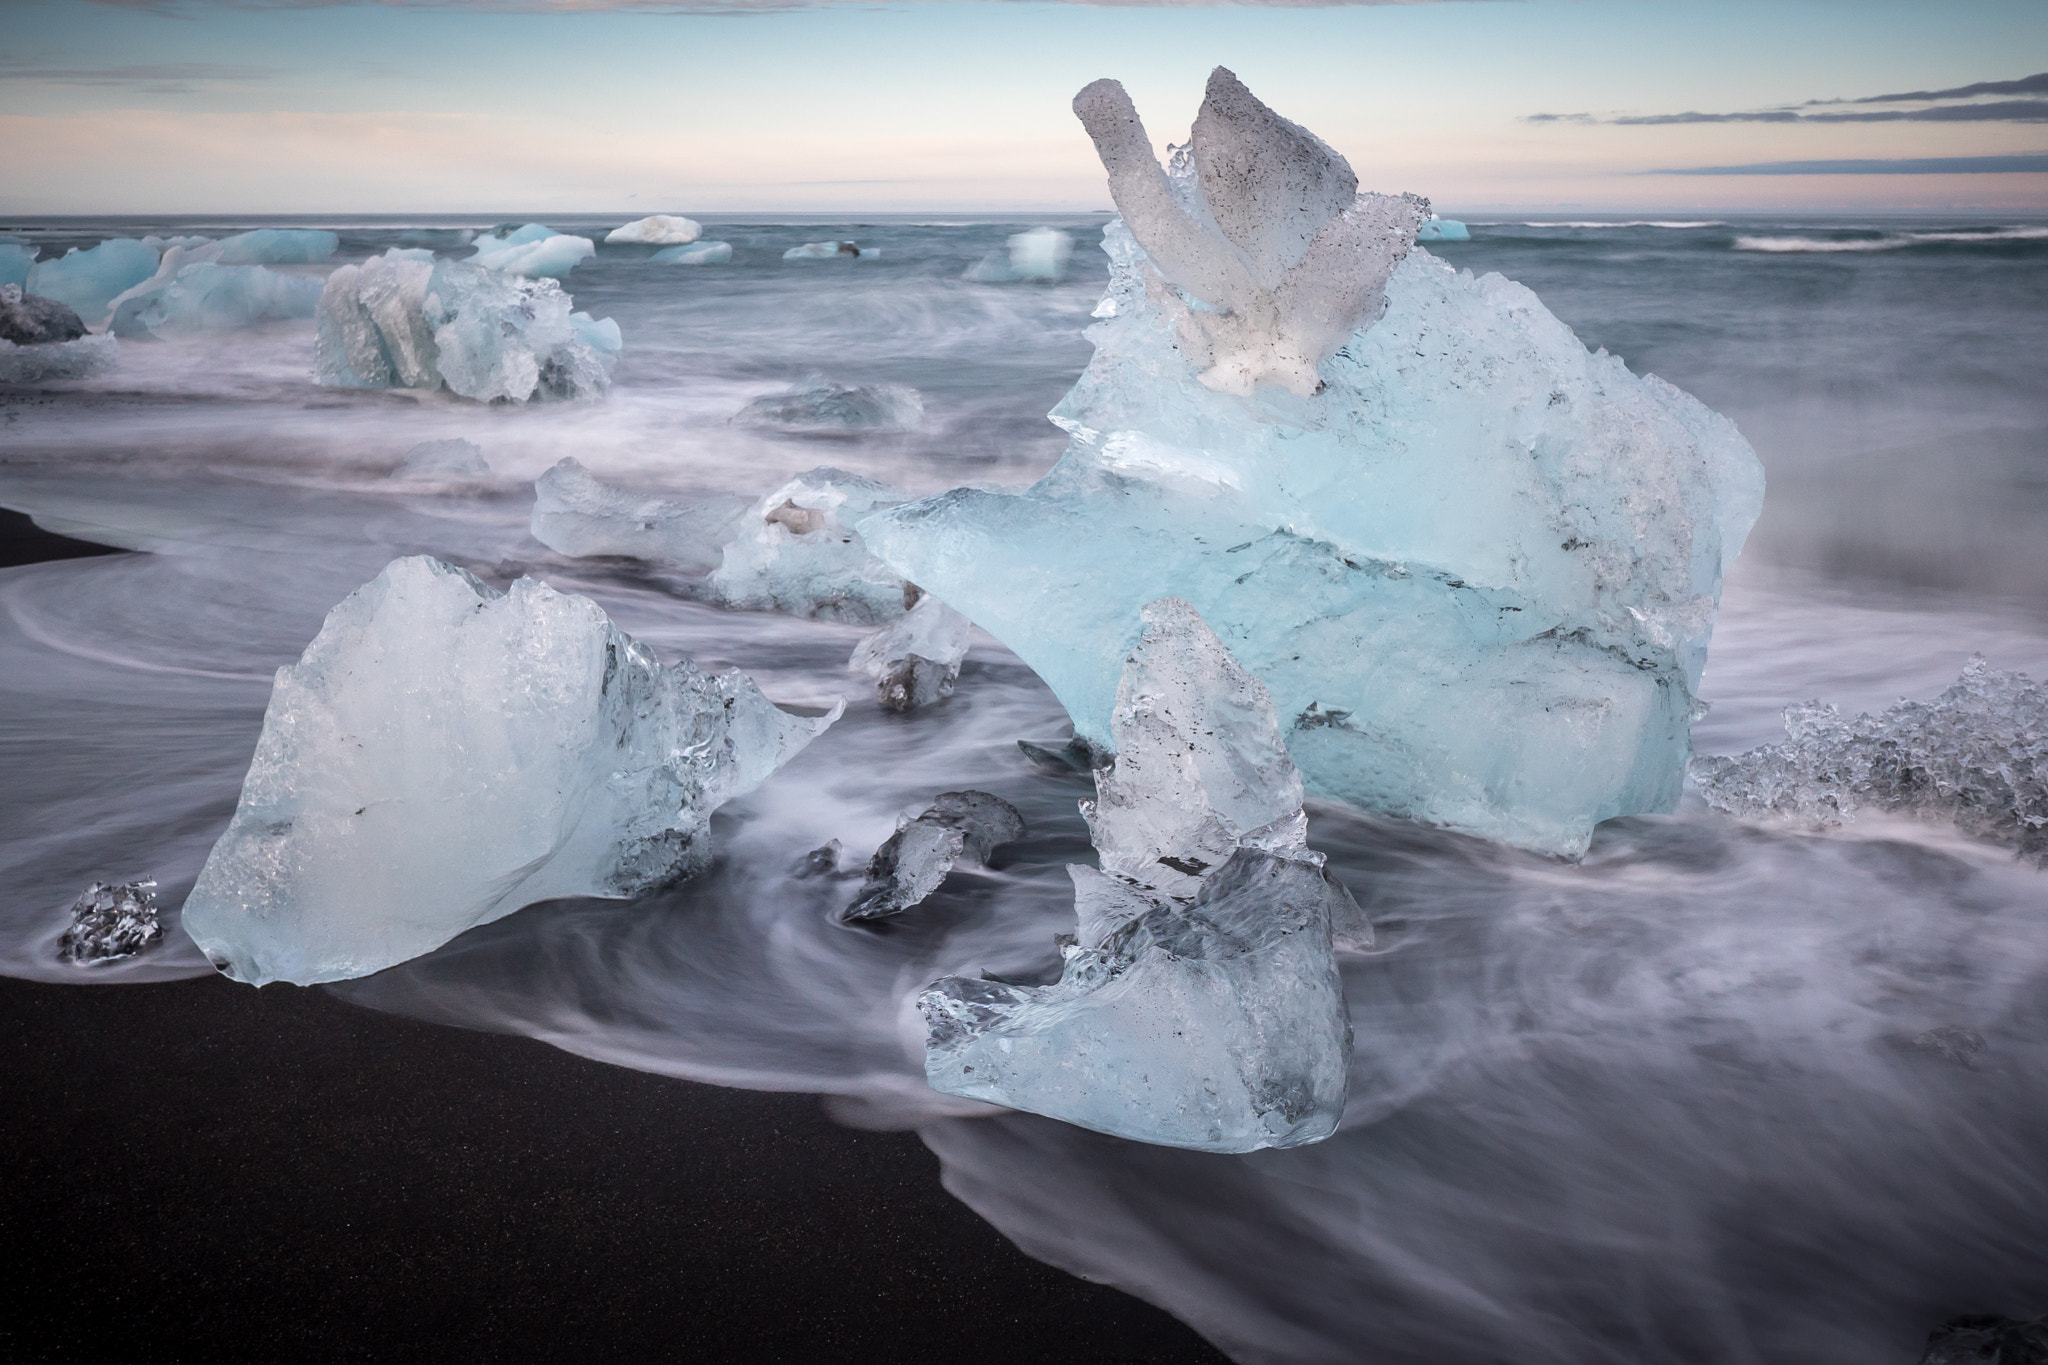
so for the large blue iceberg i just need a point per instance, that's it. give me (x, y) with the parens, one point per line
(88, 280)
(1476, 565)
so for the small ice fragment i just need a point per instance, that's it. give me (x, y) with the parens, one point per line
(31, 320)
(552, 256)
(87, 280)
(661, 229)
(796, 551)
(577, 514)
(111, 921)
(1038, 256)
(697, 253)
(443, 754)
(453, 460)
(915, 660)
(15, 263)
(278, 246)
(913, 861)
(57, 360)
(1443, 230)
(816, 406)
(831, 251)
(822, 861)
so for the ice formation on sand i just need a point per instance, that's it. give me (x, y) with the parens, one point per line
(913, 861)
(796, 551)
(831, 251)
(443, 754)
(204, 297)
(1039, 255)
(660, 229)
(278, 246)
(1199, 1005)
(86, 280)
(1976, 755)
(15, 263)
(80, 359)
(1443, 230)
(110, 922)
(577, 514)
(402, 320)
(1477, 569)
(697, 253)
(452, 460)
(31, 320)
(816, 406)
(915, 661)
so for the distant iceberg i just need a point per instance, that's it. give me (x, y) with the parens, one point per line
(831, 251)
(1443, 230)
(661, 229)
(697, 253)
(534, 251)
(443, 754)
(1038, 256)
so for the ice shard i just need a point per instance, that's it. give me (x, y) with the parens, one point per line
(915, 660)
(1976, 755)
(660, 229)
(577, 514)
(796, 551)
(443, 754)
(1199, 1004)
(913, 861)
(110, 922)
(1476, 566)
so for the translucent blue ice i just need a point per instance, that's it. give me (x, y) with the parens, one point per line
(204, 297)
(796, 551)
(278, 246)
(697, 253)
(577, 514)
(88, 279)
(15, 262)
(1443, 230)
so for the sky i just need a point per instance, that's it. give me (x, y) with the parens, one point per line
(441, 106)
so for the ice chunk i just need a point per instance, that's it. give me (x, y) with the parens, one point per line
(110, 922)
(278, 246)
(1039, 255)
(30, 320)
(443, 754)
(817, 406)
(1477, 572)
(698, 253)
(87, 280)
(204, 298)
(552, 256)
(831, 251)
(452, 460)
(576, 514)
(1976, 755)
(80, 359)
(916, 660)
(509, 234)
(918, 856)
(1443, 230)
(15, 263)
(660, 229)
(401, 320)
(796, 551)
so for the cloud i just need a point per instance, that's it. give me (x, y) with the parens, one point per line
(2025, 85)
(1997, 111)
(2029, 162)
(160, 78)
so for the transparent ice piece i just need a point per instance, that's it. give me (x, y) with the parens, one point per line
(110, 922)
(915, 661)
(577, 514)
(913, 861)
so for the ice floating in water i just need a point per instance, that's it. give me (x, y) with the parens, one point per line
(831, 251)
(916, 660)
(914, 860)
(577, 514)
(15, 263)
(402, 320)
(662, 229)
(552, 256)
(1478, 571)
(1200, 1007)
(1039, 255)
(30, 320)
(698, 253)
(819, 407)
(111, 922)
(1976, 755)
(204, 298)
(80, 359)
(453, 460)
(278, 246)
(796, 551)
(443, 754)
(1443, 230)
(87, 280)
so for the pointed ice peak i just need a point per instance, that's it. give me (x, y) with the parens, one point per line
(1270, 184)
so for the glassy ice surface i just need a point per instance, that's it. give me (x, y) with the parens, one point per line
(109, 923)
(797, 551)
(86, 279)
(915, 660)
(443, 754)
(575, 513)
(278, 246)
(819, 406)
(912, 862)
(1976, 755)
(697, 253)
(661, 229)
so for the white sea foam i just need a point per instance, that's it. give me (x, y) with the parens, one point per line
(1891, 241)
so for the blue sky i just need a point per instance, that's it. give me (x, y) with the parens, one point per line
(198, 106)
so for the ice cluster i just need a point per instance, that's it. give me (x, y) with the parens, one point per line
(87, 279)
(277, 246)
(913, 861)
(796, 551)
(577, 514)
(403, 320)
(451, 460)
(534, 250)
(443, 754)
(1976, 755)
(816, 406)
(915, 661)
(1038, 256)
(1477, 567)
(1199, 1004)
(697, 253)
(831, 251)
(200, 297)
(660, 229)
(110, 922)
(31, 320)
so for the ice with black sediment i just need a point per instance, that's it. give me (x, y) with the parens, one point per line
(913, 861)
(32, 320)
(1976, 755)
(111, 921)
(915, 660)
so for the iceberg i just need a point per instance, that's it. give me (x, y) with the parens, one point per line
(797, 552)
(913, 861)
(403, 320)
(29, 320)
(86, 280)
(1443, 230)
(110, 922)
(1476, 566)
(203, 298)
(53, 360)
(1976, 756)
(1040, 255)
(278, 246)
(831, 251)
(443, 754)
(698, 253)
(552, 256)
(660, 229)
(15, 263)
(1199, 1004)
(452, 460)
(915, 660)
(818, 407)
(577, 514)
